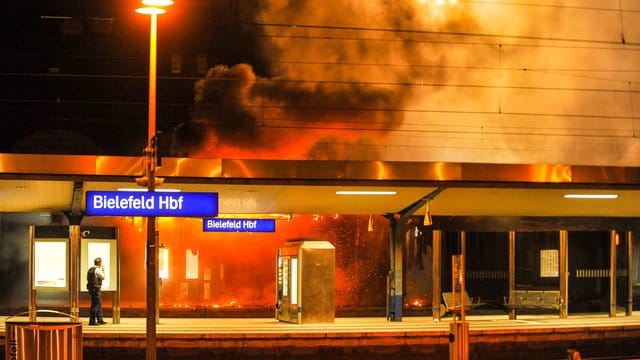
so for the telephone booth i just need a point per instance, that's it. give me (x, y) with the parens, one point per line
(305, 282)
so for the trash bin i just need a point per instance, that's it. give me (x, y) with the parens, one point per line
(47, 338)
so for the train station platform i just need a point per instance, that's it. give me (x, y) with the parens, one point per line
(415, 337)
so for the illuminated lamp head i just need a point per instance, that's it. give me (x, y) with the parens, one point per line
(154, 7)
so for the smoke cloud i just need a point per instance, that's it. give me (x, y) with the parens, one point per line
(341, 74)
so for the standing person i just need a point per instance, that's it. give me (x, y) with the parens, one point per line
(95, 275)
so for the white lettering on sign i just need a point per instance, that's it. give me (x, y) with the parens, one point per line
(135, 203)
(130, 202)
(239, 225)
(170, 203)
(224, 224)
(167, 202)
(231, 224)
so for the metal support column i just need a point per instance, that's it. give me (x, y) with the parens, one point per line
(397, 223)
(459, 331)
(436, 274)
(116, 294)
(152, 275)
(150, 157)
(629, 307)
(33, 296)
(463, 272)
(613, 289)
(74, 269)
(394, 296)
(564, 274)
(74, 216)
(512, 271)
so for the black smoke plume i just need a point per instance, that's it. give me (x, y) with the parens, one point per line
(347, 67)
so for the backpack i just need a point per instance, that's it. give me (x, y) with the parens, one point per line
(92, 280)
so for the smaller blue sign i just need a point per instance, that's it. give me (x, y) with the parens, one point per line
(142, 203)
(238, 225)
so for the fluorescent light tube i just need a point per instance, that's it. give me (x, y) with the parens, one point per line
(591, 196)
(144, 189)
(365, 192)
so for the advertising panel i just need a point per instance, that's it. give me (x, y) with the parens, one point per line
(50, 264)
(107, 250)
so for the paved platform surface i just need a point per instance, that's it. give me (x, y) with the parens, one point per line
(344, 324)
(490, 337)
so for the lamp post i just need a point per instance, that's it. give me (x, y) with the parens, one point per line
(153, 8)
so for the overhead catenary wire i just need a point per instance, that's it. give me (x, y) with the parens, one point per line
(278, 30)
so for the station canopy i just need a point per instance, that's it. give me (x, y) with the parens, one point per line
(56, 183)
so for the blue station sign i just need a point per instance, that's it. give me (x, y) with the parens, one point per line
(238, 225)
(142, 203)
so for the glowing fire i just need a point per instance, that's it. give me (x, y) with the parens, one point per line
(237, 270)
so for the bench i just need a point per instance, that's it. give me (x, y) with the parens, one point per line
(533, 299)
(448, 307)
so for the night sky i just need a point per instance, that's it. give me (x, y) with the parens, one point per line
(73, 74)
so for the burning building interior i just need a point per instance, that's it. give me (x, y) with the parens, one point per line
(234, 274)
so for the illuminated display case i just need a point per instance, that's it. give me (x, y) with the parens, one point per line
(107, 250)
(305, 282)
(50, 264)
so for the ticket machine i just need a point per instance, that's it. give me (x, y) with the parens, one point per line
(305, 282)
